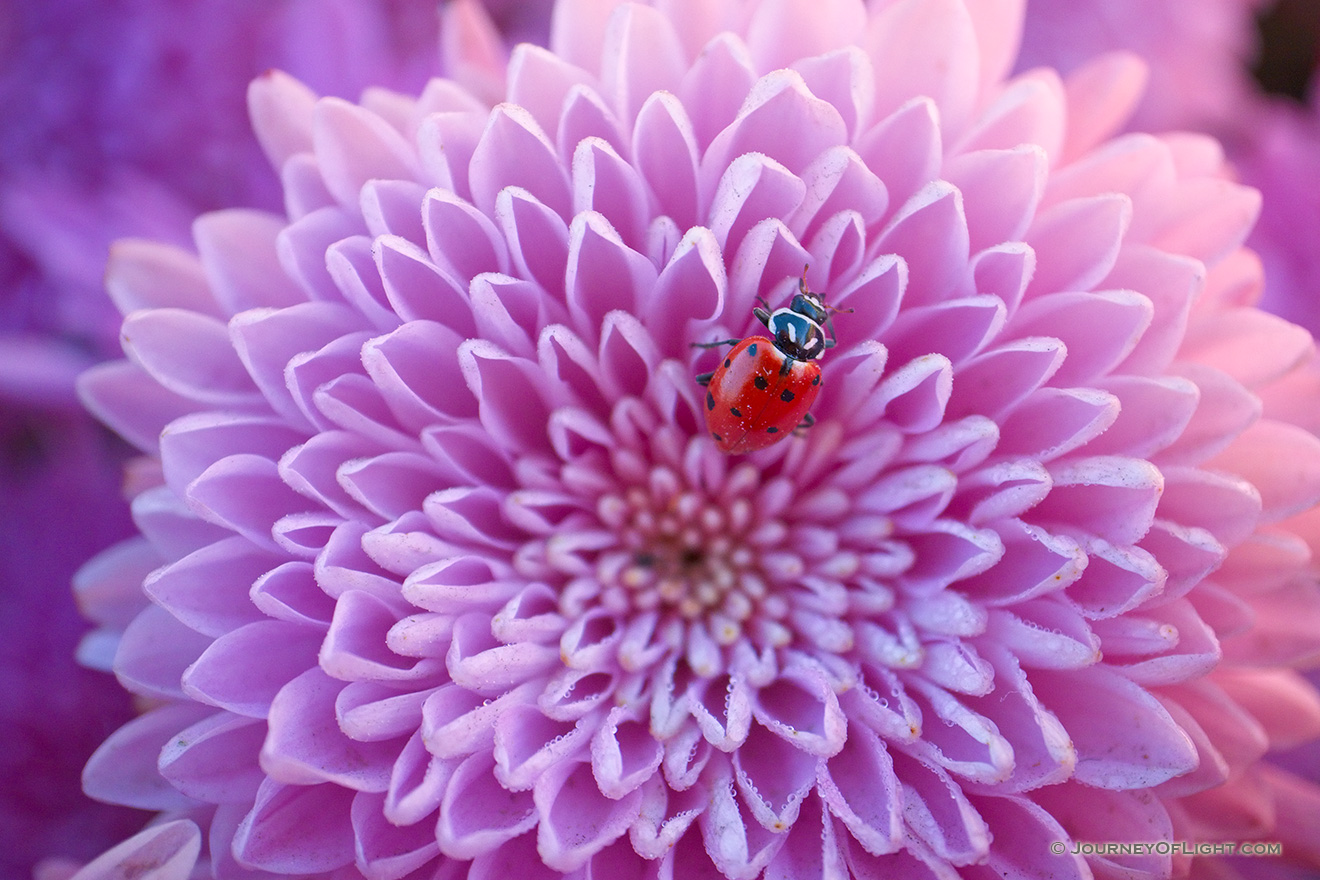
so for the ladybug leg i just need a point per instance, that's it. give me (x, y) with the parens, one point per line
(807, 421)
(704, 378)
(762, 315)
(716, 344)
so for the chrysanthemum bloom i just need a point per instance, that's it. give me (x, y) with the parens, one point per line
(120, 119)
(441, 575)
(1198, 64)
(1283, 143)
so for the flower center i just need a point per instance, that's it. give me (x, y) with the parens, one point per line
(694, 555)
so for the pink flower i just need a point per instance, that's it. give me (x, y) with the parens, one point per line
(440, 571)
(1198, 64)
(124, 119)
(1280, 148)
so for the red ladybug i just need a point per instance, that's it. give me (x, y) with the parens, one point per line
(764, 387)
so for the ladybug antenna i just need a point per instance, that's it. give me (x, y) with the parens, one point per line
(803, 288)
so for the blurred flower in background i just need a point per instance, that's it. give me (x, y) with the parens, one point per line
(122, 119)
(1241, 70)
(133, 121)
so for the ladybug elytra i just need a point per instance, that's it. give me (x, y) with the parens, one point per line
(764, 388)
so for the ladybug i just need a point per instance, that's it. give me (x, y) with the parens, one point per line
(764, 387)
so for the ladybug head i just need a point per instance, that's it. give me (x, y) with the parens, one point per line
(809, 305)
(796, 334)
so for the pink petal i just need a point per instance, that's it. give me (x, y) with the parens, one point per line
(190, 354)
(1046, 634)
(355, 645)
(352, 266)
(774, 775)
(1280, 700)
(1137, 745)
(417, 784)
(192, 444)
(778, 101)
(540, 80)
(130, 402)
(1101, 96)
(489, 815)
(456, 722)
(942, 61)
(208, 589)
(386, 851)
(576, 819)
(1117, 579)
(518, 858)
(641, 55)
(417, 289)
(1077, 242)
(859, 786)
(1001, 189)
(123, 769)
(1206, 219)
(281, 109)
(354, 145)
(1250, 345)
(462, 241)
(161, 852)
(244, 493)
(1224, 505)
(930, 233)
(738, 846)
(389, 207)
(242, 671)
(215, 760)
(370, 711)
(1024, 835)
(143, 274)
(603, 273)
(907, 147)
(803, 709)
(267, 340)
(241, 261)
(513, 151)
(783, 31)
(1113, 497)
(476, 660)
(417, 385)
(938, 813)
(1280, 460)
(305, 745)
(812, 849)
(294, 829)
(302, 244)
(153, 652)
(845, 78)
(717, 84)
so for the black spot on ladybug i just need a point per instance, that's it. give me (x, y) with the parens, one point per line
(710, 401)
(815, 381)
(736, 414)
(751, 350)
(760, 383)
(727, 363)
(772, 430)
(787, 396)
